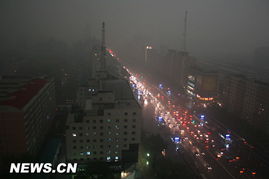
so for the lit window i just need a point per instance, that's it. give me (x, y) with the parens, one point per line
(74, 135)
(108, 158)
(88, 153)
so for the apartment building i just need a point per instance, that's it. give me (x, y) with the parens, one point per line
(27, 107)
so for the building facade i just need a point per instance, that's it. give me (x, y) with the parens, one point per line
(27, 107)
(201, 86)
(107, 127)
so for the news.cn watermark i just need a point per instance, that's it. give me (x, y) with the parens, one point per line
(42, 168)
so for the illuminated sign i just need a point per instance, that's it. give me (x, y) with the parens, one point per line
(204, 99)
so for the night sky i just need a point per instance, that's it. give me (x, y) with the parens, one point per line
(216, 28)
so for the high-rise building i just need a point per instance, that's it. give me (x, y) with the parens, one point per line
(246, 97)
(256, 104)
(27, 106)
(105, 125)
(202, 85)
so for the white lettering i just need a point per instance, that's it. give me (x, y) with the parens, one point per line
(47, 168)
(42, 167)
(25, 167)
(14, 167)
(71, 168)
(36, 167)
(59, 170)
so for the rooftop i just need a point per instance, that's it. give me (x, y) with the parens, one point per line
(18, 92)
(119, 87)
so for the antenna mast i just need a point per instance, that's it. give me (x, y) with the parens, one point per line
(103, 48)
(185, 32)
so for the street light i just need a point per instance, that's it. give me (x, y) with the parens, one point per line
(148, 47)
(148, 154)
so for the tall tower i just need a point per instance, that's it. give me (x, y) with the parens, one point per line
(103, 49)
(185, 32)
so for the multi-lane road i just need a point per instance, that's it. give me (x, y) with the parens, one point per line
(216, 151)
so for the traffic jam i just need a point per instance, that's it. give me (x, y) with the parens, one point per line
(211, 146)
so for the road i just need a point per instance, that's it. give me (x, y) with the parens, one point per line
(216, 151)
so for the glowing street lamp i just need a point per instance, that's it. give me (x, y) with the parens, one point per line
(148, 47)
